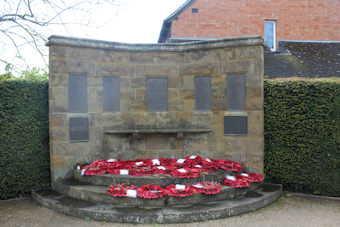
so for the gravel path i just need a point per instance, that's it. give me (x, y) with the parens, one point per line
(289, 210)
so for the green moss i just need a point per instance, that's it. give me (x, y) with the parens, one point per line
(295, 63)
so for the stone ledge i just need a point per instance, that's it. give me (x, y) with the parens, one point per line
(95, 193)
(161, 180)
(175, 47)
(262, 197)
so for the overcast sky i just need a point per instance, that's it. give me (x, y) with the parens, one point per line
(131, 21)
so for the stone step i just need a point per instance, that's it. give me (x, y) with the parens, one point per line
(264, 195)
(96, 193)
(161, 180)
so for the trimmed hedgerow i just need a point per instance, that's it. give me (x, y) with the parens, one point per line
(24, 139)
(302, 126)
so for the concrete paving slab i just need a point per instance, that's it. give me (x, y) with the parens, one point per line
(289, 210)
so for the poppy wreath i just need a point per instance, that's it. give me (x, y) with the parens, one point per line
(150, 191)
(97, 167)
(237, 183)
(113, 165)
(141, 170)
(209, 165)
(113, 171)
(162, 170)
(199, 168)
(91, 171)
(251, 177)
(185, 173)
(172, 191)
(207, 187)
(120, 190)
(176, 164)
(194, 160)
(230, 165)
(166, 161)
(140, 162)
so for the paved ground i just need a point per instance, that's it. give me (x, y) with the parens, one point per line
(290, 210)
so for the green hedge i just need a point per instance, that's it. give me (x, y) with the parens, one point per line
(24, 140)
(302, 126)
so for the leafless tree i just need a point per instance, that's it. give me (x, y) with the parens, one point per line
(22, 21)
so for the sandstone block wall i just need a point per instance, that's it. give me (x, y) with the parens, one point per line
(134, 132)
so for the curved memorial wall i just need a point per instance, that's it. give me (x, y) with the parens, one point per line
(131, 101)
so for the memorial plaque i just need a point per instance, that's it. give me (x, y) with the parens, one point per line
(236, 125)
(77, 93)
(79, 129)
(236, 92)
(202, 93)
(157, 94)
(111, 94)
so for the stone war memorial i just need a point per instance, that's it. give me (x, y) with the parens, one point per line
(156, 133)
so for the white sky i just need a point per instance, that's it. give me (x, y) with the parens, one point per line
(133, 21)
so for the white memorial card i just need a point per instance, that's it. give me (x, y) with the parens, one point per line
(230, 178)
(155, 162)
(83, 171)
(138, 163)
(192, 156)
(131, 193)
(111, 160)
(181, 160)
(198, 186)
(124, 172)
(180, 187)
(182, 170)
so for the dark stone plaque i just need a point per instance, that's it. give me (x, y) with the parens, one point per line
(202, 93)
(157, 94)
(236, 125)
(77, 93)
(236, 92)
(111, 94)
(79, 129)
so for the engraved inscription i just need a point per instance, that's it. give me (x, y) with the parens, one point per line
(77, 93)
(157, 94)
(202, 93)
(111, 94)
(236, 92)
(79, 129)
(236, 125)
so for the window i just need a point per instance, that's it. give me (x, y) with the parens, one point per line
(270, 34)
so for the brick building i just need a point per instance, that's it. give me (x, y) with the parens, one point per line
(298, 31)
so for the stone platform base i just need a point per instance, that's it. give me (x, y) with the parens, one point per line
(264, 195)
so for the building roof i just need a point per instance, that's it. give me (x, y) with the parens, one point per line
(167, 22)
(303, 59)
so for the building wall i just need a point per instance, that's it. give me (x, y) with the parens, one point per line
(133, 64)
(295, 19)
